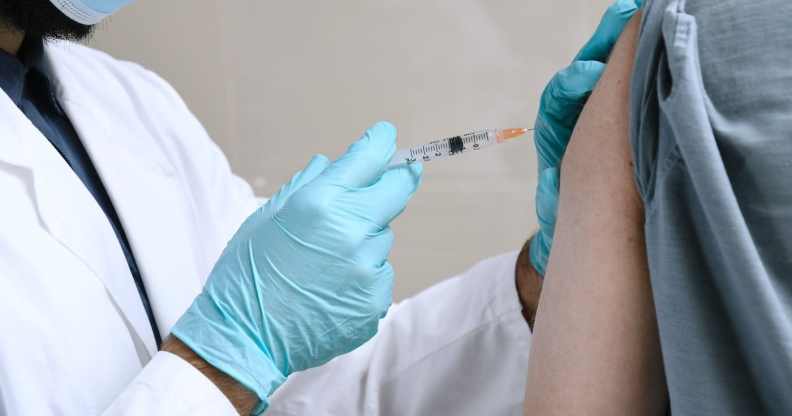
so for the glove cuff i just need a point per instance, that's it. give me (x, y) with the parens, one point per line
(222, 347)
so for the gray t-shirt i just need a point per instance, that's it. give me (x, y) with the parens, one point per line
(711, 130)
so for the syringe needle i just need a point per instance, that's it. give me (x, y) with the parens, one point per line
(506, 134)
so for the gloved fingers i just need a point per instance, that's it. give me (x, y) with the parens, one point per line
(315, 167)
(569, 89)
(560, 106)
(376, 248)
(366, 159)
(547, 199)
(598, 48)
(376, 277)
(383, 287)
(383, 201)
(539, 253)
(546, 210)
(550, 141)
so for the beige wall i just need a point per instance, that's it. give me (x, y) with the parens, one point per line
(275, 82)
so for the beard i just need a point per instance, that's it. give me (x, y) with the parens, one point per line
(39, 18)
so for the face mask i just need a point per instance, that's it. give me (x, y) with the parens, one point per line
(89, 12)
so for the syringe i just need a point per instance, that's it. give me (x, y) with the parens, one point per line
(454, 146)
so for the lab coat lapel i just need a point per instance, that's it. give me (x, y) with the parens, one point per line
(147, 196)
(70, 214)
(13, 143)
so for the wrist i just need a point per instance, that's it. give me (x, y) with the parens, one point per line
(529, 283)
(221, 345)
(243, 399)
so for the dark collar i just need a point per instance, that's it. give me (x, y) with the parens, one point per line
(14, 69)
(31, 53)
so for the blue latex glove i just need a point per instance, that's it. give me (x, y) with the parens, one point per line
(306, 277)
(560, 106)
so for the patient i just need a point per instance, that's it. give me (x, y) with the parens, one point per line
(675, 224)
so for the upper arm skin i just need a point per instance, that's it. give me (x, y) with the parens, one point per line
(596, 349)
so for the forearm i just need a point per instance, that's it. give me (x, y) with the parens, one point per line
(596, 349)
(240, 397)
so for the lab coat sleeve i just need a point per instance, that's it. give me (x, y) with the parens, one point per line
(169, 385)
(459, 348)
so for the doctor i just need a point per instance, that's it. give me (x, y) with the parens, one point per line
(140, 276)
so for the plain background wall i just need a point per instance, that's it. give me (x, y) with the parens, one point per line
(276, 82)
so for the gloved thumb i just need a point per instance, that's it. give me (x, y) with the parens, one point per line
(366, 159)
(385, 200)
(315, 167)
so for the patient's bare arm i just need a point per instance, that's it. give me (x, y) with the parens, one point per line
(596, 348)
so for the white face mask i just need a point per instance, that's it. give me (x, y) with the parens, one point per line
(89, 12)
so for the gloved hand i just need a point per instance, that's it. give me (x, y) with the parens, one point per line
(306, 277)
(560, 106)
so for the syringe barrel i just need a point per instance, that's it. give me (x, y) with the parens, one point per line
(444, 148)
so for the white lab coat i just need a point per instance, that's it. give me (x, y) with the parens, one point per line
(75, 338)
